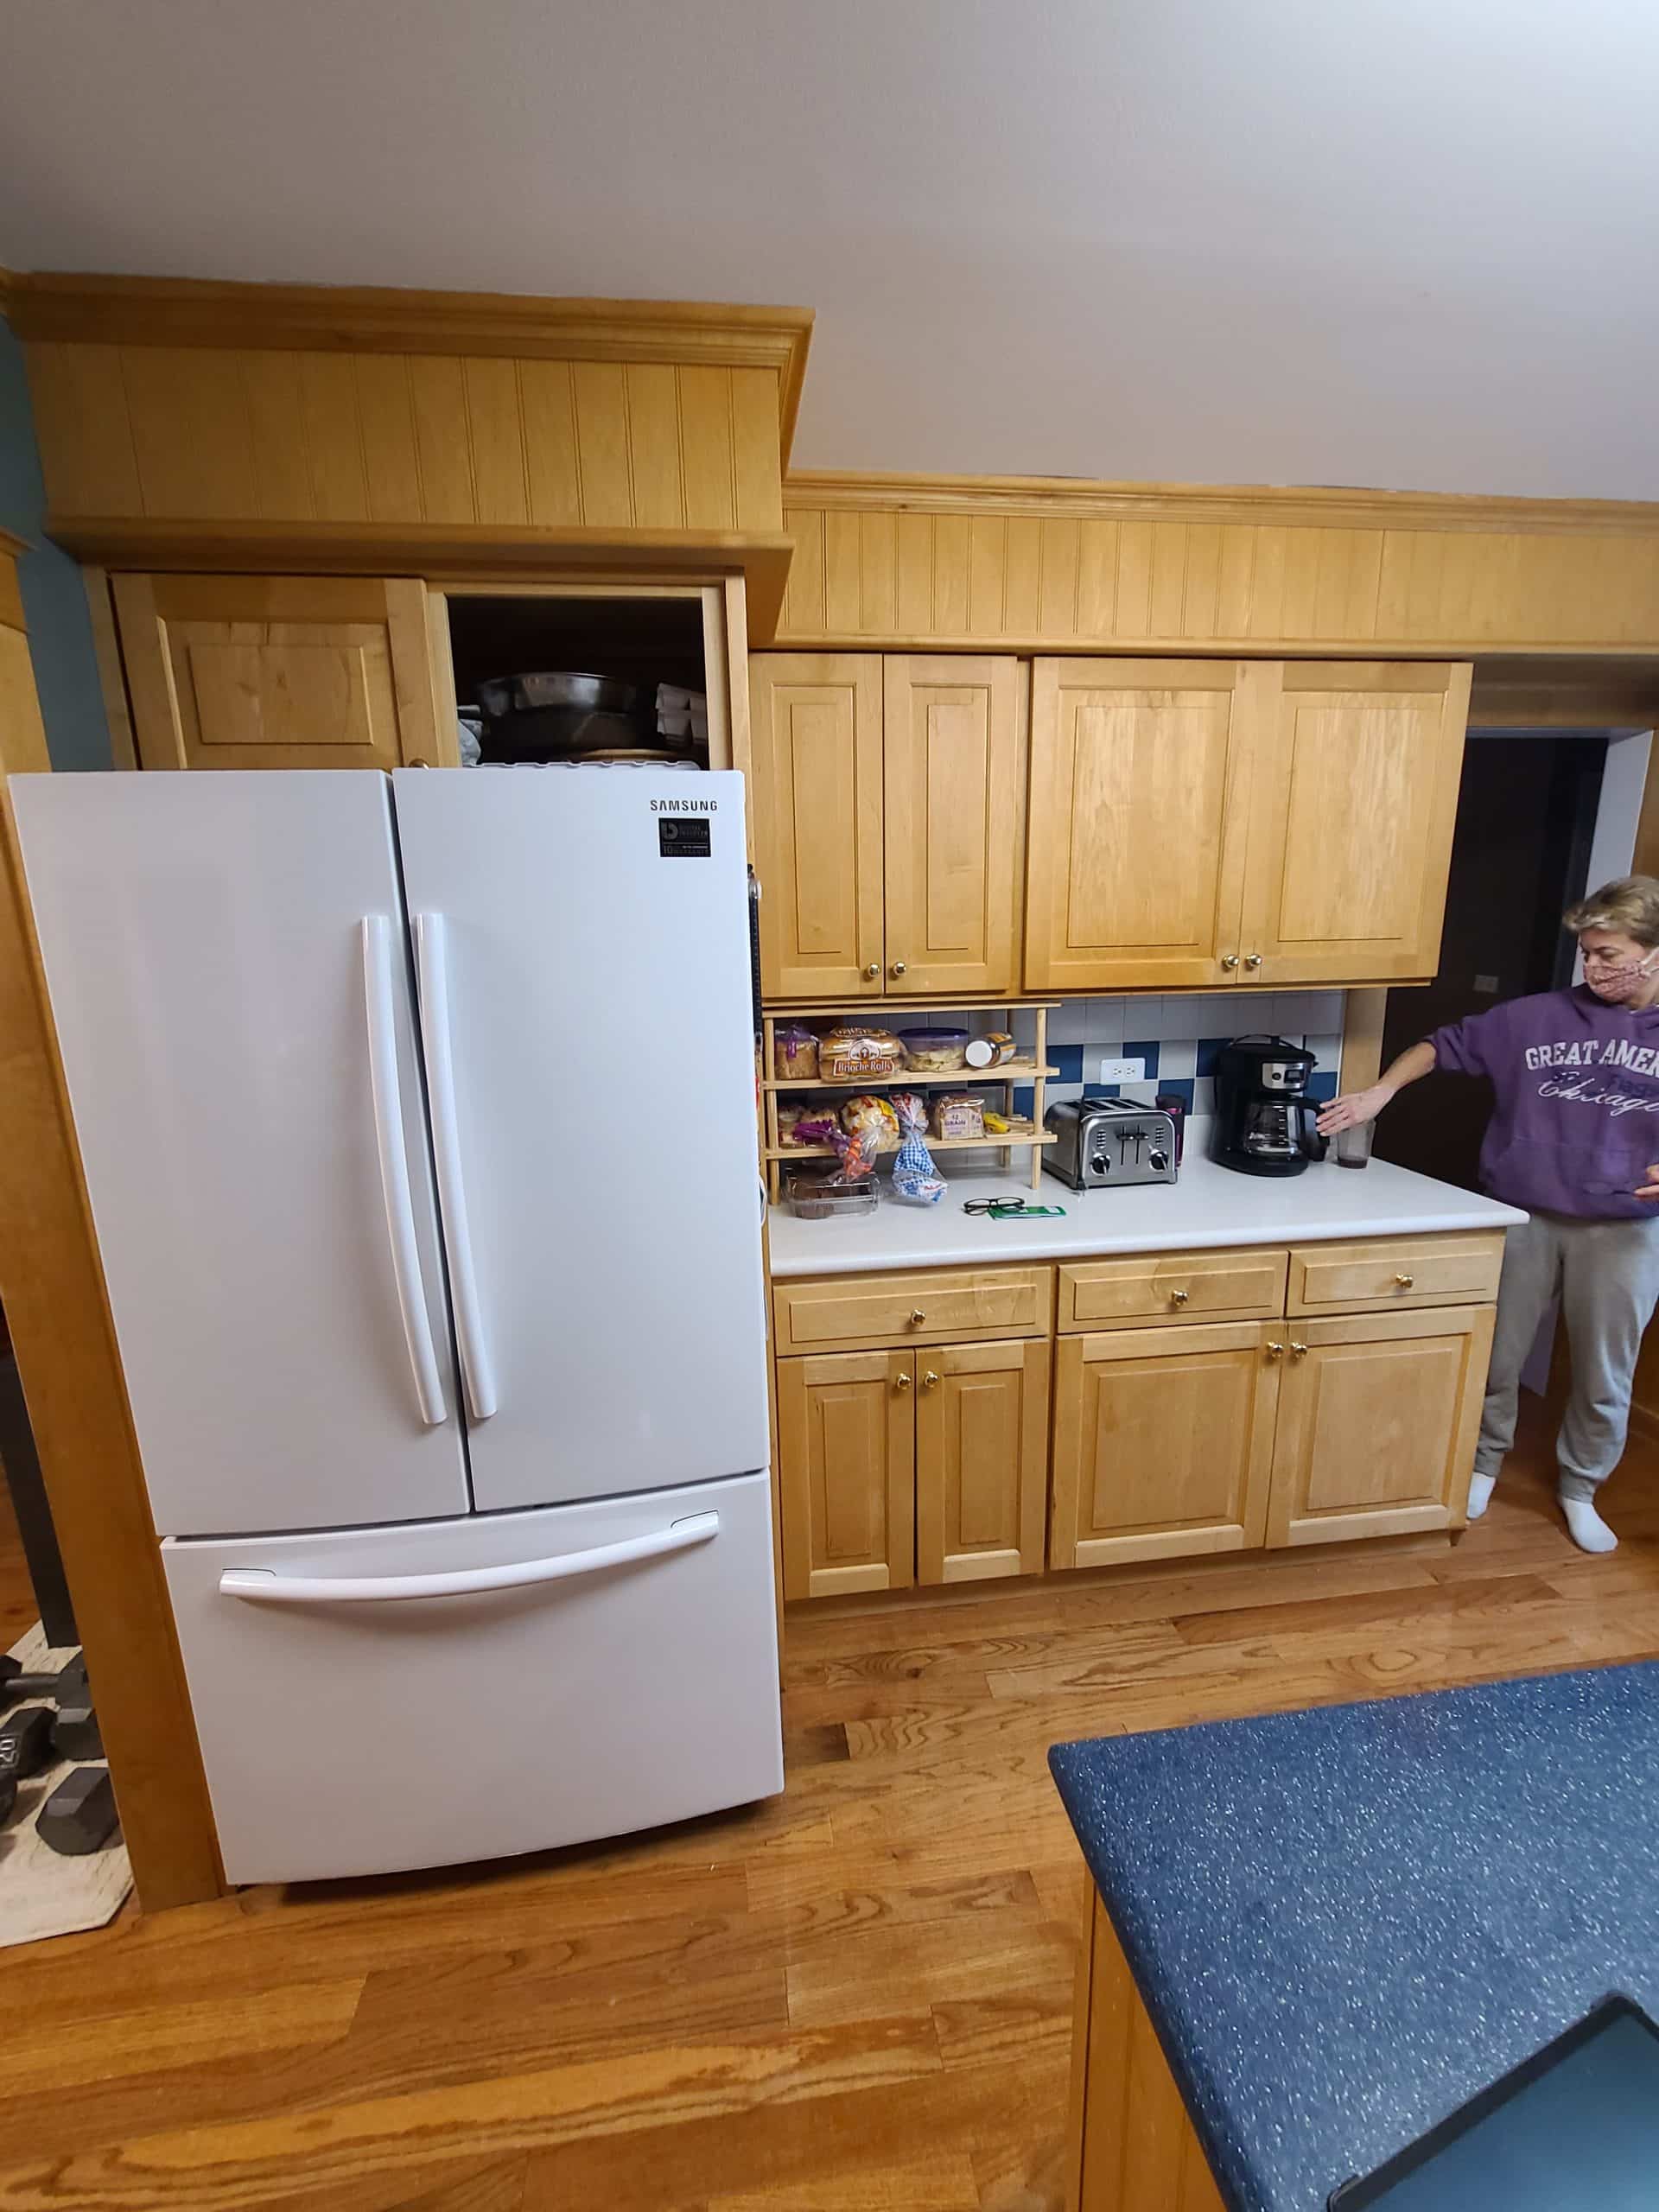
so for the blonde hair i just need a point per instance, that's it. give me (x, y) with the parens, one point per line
(1629, 905)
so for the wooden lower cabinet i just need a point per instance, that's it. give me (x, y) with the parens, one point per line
(847, 1464)
(1378, 1414)
(982, 1461)
(1163, 1442)
(899, 1467)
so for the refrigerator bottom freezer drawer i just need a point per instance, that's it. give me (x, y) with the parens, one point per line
(453, 1690)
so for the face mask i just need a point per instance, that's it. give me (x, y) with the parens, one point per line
(1617, 986)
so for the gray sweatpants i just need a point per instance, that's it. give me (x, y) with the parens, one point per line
(1607, 1274)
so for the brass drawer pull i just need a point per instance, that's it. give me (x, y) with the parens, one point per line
(1230, 960)
(1298, 1351)
(1275, 1351)
(917, 1317)
(896, 968)
(928, 1379)
(1179, 1297)
(1253, 960)
(901, 1380)
(1405, 1281)
(872, 971)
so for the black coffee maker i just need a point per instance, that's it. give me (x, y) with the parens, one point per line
(1264, 1125)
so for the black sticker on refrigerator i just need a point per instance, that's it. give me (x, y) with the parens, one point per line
(686, 838)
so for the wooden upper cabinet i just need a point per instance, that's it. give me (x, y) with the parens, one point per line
(1355, 801)
(1378, 1414)
(237, 671)
(814, 730)
(1140, 774)
(887, 803)
(951, 740)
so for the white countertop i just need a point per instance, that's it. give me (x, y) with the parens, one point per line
(1209, 1206)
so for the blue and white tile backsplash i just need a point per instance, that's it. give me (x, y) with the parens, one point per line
(1177, 1038)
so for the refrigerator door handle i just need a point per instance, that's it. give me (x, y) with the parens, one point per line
(269, 1588)
(432, 977)
(394, 1168)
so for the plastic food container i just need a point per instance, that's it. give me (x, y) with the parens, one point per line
(935, 1051)
(853, 1052)
(815, 1198)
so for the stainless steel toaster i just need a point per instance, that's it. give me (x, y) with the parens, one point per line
(1104, 1141)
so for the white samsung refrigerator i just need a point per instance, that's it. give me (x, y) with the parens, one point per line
(418, 1120)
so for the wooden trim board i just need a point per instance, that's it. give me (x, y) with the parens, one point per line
(53, 1286)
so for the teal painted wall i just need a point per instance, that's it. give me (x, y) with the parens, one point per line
(55, 600)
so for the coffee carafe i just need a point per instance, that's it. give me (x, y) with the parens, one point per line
(1264, 1124)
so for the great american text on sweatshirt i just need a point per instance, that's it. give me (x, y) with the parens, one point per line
(1576, 1122)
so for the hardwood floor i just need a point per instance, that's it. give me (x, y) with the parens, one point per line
(854, 1999)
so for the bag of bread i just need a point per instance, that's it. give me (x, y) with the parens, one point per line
(853, 1052)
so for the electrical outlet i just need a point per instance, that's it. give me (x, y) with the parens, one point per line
(1487, 986)
(1122, 1071)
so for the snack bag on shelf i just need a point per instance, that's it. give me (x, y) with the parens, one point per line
(868, 1112)
(915, 1178)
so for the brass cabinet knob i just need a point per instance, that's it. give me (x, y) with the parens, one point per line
(1253, 960)
(1179, 1297)
(1298, 1351)
(901, 1380)
(1405, 1281)
(1275, 1351)
(1230, 960)
(896, 968)
(917, 1317)
(873, 971)
(928, 1379)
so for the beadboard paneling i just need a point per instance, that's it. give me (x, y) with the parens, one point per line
(263, 435)
(1043, 579)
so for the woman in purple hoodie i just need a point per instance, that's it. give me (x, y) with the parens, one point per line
(1573, 1138)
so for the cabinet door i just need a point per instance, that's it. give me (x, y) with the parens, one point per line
(280, 672)
(982, 1461)
(1355, 798)
(816, 735)
(1140, 773)
(847, 1447)
(1163, 1442)
(951, 737)
(1378, 1420)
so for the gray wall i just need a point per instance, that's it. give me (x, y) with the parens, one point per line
(54, 602)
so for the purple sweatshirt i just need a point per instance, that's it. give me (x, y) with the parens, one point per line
(1577, 1119)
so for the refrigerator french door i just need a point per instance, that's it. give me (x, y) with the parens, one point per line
(416, 1118)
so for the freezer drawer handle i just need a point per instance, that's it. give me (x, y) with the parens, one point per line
(356, 1589)
(394, 1168)
(432, 971)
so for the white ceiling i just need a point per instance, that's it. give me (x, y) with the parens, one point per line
(1409, 243)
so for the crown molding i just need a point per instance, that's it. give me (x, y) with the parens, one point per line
(1317, 506)
(50, 306)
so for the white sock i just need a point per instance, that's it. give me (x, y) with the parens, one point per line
(1587, 1527)
(1480, 1494)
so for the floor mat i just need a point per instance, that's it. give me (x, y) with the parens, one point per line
(41, 1893)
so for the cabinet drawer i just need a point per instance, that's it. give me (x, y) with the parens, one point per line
(1165, 1286)
(1403, 1271)
(845, 1312)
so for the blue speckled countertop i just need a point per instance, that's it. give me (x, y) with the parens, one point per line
(1345, 1921)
